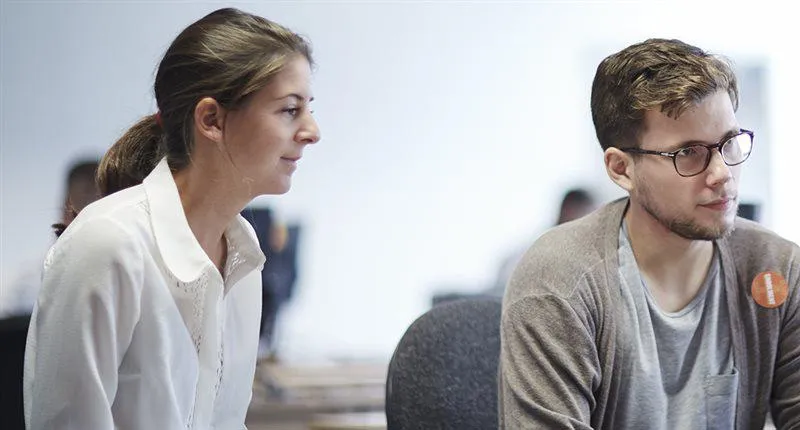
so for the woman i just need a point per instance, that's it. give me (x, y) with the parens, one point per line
(148, 316)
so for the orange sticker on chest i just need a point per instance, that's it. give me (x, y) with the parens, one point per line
(769, 289)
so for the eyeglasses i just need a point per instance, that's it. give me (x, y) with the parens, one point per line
(693, 160)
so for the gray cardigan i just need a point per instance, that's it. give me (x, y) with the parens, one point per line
(561, 363)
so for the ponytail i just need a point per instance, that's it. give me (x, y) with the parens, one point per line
(132, 157)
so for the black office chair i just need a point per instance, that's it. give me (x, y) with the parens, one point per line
(13, 334)
(443, 374)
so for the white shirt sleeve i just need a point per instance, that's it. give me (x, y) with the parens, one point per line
(82, 325)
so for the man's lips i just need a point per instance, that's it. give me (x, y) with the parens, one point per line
(720, 204)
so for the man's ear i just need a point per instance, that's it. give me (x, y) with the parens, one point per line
(209, 118)
(620, 168)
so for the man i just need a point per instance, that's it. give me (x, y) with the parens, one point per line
(662, 310)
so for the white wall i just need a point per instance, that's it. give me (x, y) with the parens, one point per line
(449, 132)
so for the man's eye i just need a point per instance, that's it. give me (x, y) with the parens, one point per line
(691, 151)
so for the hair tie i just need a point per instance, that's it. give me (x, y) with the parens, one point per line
(158, 119)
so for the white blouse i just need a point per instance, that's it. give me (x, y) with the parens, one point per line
(135, 328)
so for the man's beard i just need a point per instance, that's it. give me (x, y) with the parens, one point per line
(684, 226)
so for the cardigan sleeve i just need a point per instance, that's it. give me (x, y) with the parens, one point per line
(785, 402)
(548, 366)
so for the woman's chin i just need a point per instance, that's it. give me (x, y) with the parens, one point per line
(281, 186)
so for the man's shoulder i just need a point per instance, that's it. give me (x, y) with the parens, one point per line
(752, 241)
(744, 229)
(565, 256)
(580, 242)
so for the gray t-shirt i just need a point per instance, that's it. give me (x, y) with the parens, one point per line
(681, 375)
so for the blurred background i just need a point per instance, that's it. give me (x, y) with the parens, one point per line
(450, 133)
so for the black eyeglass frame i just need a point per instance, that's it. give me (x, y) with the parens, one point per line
(718, 146)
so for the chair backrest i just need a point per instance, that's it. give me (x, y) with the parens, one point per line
(13, 335)
(443, 374)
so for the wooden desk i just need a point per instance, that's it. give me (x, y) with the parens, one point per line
(287, 396)
(362, 421)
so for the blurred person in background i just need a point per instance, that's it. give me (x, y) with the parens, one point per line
(279, 245)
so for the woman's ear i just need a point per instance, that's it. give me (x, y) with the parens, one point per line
(209, 117)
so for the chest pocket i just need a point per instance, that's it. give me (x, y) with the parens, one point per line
(721, 391)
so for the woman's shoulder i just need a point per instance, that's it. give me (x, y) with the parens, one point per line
(110, 227)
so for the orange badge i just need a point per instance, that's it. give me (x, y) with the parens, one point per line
(769, 289)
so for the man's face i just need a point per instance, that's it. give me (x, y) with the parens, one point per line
(700, 207)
